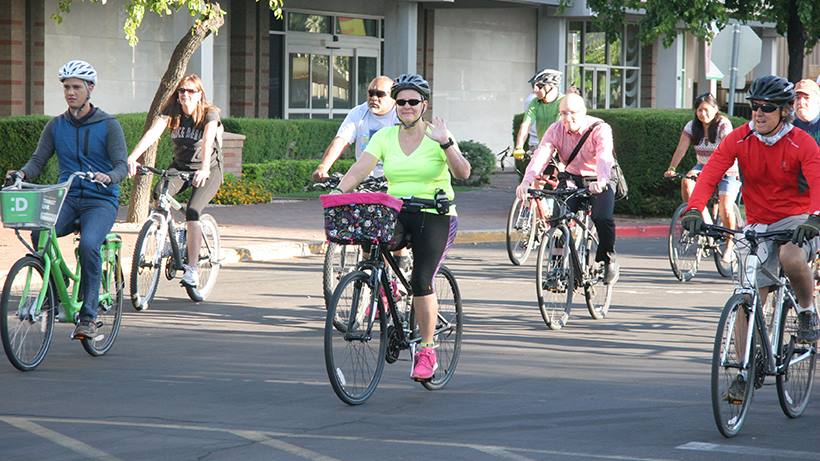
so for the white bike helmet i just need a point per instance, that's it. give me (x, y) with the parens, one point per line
(547, 77)
(78, 69)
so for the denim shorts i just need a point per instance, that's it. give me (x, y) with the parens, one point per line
(729, 185)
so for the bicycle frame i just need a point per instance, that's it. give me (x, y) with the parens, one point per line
(579, 218)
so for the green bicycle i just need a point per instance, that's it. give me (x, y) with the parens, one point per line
(40, 287)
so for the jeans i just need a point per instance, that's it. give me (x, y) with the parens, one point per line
(95, 217)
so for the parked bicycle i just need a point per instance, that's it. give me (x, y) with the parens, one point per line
(161, 242)
(370, 320)
(686, 250)
(751, 343)
(40, 287)
(560, 273)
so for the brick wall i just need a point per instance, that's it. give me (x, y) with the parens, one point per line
(249, 59)
(21, 57)
(232, 152)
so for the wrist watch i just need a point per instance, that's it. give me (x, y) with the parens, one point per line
(447, 144)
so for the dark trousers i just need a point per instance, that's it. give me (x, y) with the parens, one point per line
(603, 209)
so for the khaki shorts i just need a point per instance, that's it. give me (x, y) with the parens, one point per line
(772, 263)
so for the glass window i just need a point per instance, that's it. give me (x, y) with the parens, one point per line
(614, 50)
(357, 26)
(574, 44)
(319, 81)
(631, 87)
(574, 77)
(312, 23)
(632, 46)
(365, 73)
(588, 87)
(594, 46)
(615, 88)
(600, 96)
(342, 82)
(275, 86)
(298, 116)
(299, 85)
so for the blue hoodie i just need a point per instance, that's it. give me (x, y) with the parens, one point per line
(95, 143)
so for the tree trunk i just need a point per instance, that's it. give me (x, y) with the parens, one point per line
(796, 40)
(141, 192)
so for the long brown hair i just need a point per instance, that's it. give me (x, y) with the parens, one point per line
(173, 108)
(697, 125)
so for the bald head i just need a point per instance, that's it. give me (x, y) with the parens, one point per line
(378, 104)
(572, 111)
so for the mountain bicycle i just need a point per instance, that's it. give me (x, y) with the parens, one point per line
(40, 287)
(370, 320)
(341, 259)
(685, 250)
(559, 274)
(768, 348)
(162, 241)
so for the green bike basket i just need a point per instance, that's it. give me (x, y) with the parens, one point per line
(34, 208)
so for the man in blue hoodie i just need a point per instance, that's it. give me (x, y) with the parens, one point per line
(85, 139)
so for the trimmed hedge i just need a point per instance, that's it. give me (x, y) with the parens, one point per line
(482, 163)
(287, 176)
(645, 140)
(274, 139)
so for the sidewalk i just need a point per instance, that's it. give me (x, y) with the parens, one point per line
(289, 228)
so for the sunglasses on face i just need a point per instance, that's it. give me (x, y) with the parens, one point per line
(412, 102)
(186, 90)
(766, 107)
(376, 93)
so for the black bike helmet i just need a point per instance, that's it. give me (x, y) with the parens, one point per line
(772, 88)
(411, 82)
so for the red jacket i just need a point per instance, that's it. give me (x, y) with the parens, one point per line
(770, 174)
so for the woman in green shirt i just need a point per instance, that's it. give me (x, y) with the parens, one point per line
(419, 158)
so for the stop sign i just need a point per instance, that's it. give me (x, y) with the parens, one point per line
(748, 54)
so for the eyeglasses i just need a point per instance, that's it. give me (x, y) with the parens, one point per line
(567, 114)
(186, 90)
(412, 102)
(767, 108)
(376, 93)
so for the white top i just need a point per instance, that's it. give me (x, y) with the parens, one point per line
(359, 126)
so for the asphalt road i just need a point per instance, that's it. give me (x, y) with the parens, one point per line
(242, 377)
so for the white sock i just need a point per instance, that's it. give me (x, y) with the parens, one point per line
(801, 309)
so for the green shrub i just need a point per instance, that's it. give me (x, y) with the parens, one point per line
(482, 162)
(286, 176)
(274, 139)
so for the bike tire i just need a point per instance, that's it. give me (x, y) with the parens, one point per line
(340, 260)
(729, 417)
(146, 265)
(555, 278)
(209, 261)
(109, 313)
(26, 340)
(683, 248)
(598, 294)
(354, 358)
(449, 328)
(795, 383)
(521, 232)
(726, 269)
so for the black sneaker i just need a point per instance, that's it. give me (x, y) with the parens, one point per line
(86, 329)
(737, 391)
(808, 327)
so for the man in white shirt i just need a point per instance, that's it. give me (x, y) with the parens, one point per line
(360, 124)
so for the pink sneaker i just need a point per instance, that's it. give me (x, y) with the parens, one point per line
(425, 364)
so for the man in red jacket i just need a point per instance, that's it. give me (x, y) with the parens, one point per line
(777, 162)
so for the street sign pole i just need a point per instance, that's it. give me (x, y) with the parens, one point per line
(733, 72)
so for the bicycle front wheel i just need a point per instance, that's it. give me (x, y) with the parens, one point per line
(109, 312)
(355, 351)
(684, 248)
(521, 230)
(727, 267)
(340, 260)
(732, 382)
(597, 293)
(209, 262)
(554, 278)
(799, 361)
(146, 264)
(26, 327)
(449, 325)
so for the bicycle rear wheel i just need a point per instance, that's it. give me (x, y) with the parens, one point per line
(209, 261)
(109, 312)
(449, 325)
(354, 354)
(25, 327)
(146, 264)
(340, 260)
(684, 248)
(597, 293)
(521, 230)
(727, 357)
(554, 278)
(727, 268)
(795, 383)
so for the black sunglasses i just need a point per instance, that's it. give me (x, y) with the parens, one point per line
(186, 90)
(412, 102)
(376, 93)
(766, 107)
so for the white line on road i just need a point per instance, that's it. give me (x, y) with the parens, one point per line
(82, 449)
(283, 446)
(500, 453)
(747, 450)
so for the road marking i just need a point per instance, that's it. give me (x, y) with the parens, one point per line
(501, 453)
(747, 450)
(82, 449)
(283, 446)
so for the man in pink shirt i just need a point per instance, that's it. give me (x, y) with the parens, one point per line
(591, 168)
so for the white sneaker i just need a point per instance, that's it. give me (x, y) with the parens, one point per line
(191, 276)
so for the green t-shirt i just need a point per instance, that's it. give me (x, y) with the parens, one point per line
(419, 174)
(544, 114)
